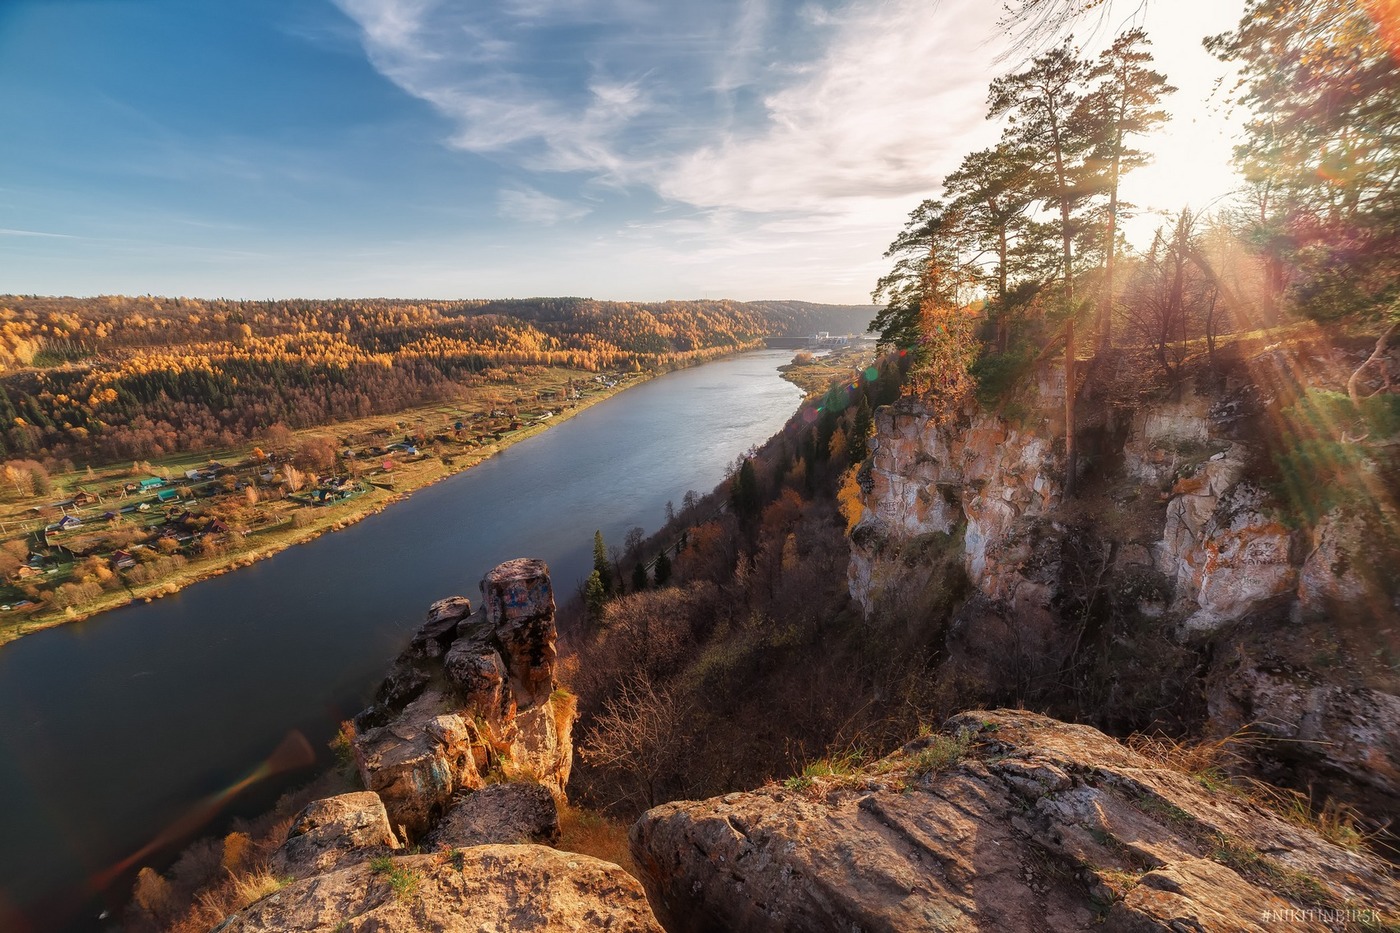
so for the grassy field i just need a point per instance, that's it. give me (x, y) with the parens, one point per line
(815, 374)
(258, 524)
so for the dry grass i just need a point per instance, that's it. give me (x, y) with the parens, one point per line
(216, 903)
(1210, 762)
(589, 833)
(1336, 822)
(565, 706)
(1217, 764)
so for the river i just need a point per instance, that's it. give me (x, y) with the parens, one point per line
(114, 729)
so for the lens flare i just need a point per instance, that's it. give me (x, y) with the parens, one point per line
(292, 753)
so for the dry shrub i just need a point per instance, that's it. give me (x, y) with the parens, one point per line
(152, 893)
(215, 903)
(213, 878)
(589, 833)
(237, 848)
(565, 706)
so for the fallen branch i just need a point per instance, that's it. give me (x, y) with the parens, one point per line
(1376, 354)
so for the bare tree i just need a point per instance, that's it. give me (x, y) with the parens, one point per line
(1170, 298)
(641, 738)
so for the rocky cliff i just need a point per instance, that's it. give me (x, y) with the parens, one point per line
(465, 754)
(474, 693)
(1183, 587)
(1006, 821)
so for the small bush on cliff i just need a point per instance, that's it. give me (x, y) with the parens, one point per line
(1330, 449)
(940, 754)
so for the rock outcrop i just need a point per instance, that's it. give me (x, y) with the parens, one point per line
(333, 833)
(472, 699)
(473, 693)
(1007, 821)
(998, 482)
(499, 814)
(531, 889)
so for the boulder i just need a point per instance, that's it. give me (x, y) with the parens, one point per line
(333, 833)
(433, 639)
(519, 603)
(479, 675)
(530, 889)
(542, 745)
(1008, 821)
(472, 692)
(1344, 738)
(418, 761)
(498, 814)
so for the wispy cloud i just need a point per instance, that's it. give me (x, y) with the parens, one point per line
(791, 133)
(828, 108)
(5, 231)
(535, 207)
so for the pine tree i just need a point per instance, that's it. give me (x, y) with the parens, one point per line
(1043, 105)
(662, 570)
(861, 425)
(601, 565)
(743, 495)
(595, 596)
(639, 577)
(1124, 103)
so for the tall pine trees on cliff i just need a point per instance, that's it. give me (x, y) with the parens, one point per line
(1125, 102)
(994, 189)
(1066, 143)
(926, 294)
(1042, 105)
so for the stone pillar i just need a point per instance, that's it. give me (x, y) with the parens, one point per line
(519, 603)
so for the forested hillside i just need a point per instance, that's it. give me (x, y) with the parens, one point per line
(121, 378)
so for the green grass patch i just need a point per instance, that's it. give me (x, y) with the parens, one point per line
(403, 881)
(1258, 867)
(941, 753)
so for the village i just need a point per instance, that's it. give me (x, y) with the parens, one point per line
(105, 536)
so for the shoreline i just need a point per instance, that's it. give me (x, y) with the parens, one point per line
(374, 501)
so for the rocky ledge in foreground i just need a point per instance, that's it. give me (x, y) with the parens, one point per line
(531, 889)
(1008, 821)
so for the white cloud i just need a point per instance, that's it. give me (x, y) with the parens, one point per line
(879, 105)
(798, 136)
(6, 231)
(535, 207)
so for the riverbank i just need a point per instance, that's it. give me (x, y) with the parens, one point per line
(814, 375)
(381, 488)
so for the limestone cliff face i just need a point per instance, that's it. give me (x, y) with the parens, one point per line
(1179, 532)
(997, 481)
(1008, 821)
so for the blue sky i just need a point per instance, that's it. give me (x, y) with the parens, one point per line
(491, 148)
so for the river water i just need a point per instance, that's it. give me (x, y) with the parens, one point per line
(115, 729)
